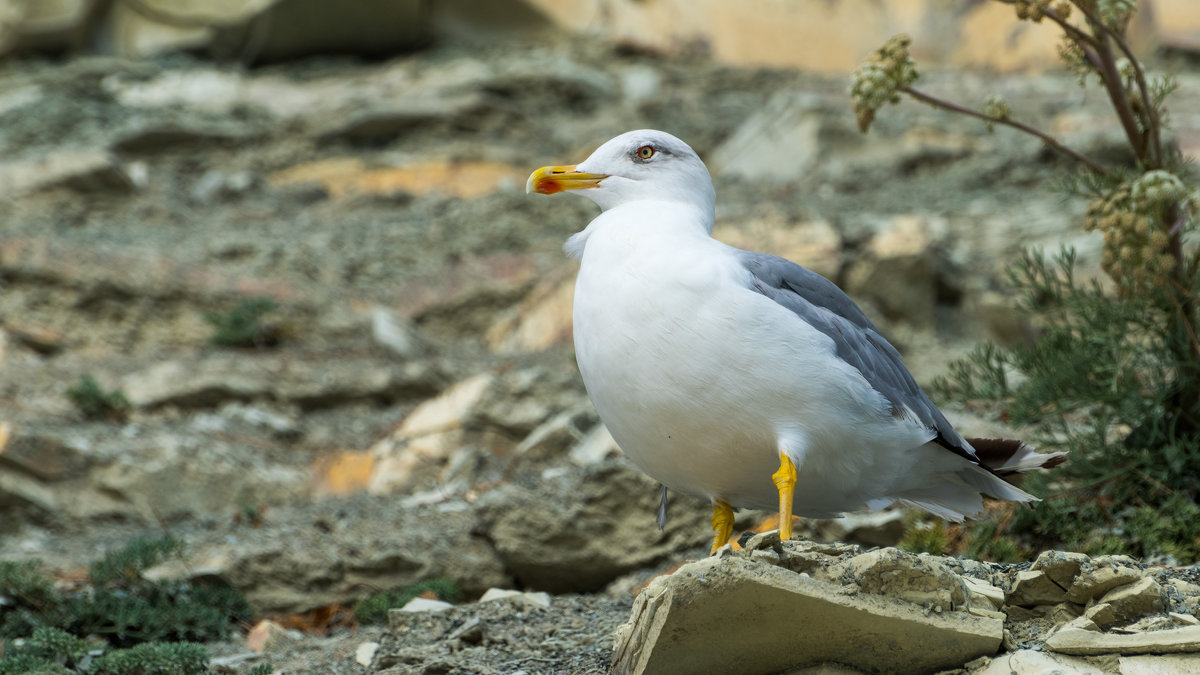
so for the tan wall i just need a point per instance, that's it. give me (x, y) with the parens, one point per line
(834, 36)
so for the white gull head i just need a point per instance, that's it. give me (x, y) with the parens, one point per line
(642, 165)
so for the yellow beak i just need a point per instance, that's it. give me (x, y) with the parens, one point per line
(551, 179)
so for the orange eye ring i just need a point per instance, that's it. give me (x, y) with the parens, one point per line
(645, 152)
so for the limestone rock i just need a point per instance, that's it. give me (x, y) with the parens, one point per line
(867, 528)
(533, 598)
(768, 619)
(346, 547)
(268, 637)
(1029, 661)
(541, 320)
(1133, 601)
(578, 529)
(79, 170)
(923, 581)
(426, 605)
(1035, 587)
(1098, 578)
(897, 275)
(777, 145)
(815, 244)
(1070, 640)
(212, 380)
(1061, 567)
(365, 653)
(983, 594)
(42, 456)
(1177, 664)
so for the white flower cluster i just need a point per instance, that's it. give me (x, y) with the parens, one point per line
(878, 82)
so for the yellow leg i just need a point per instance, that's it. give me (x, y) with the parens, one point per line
(785, 482)
(722, 524)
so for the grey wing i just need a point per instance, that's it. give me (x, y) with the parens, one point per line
(823, 305)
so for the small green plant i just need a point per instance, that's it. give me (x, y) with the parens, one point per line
(244, 325)
(924, 535)
(120, 605)
(1114, 374)
(374, 608)
(95, 403)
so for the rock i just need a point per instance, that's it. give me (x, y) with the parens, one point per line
(216, 379)
(983, 594)
(866, 528)
(426, 605)
(1097, 579)
(268, 637)
(923, 581)
(597, 446)
(1177, 24)
(898, 272)
(1034, 587)
(18, 490)
(87, 171)
(400, 336)
(1029, 661)
(1180, 664)
(1061, 567)
(536, 599)
(1071, 640)
(44, 341)
(768, 619)
(163, 476)
(556, 436)
(1101, 614)
(815, 244)
(541, 320)
(433, 431)
(343, 177)
(44, 457)
(46, 26)
(776, 145)
(339, 549)
(342, 473)
(1133, 601)
(365, 653)
(578, 529)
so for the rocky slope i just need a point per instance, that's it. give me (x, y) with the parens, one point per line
(420, 415)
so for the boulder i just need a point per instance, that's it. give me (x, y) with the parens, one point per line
(1134, 601)
(575, 530)
(921, 580)
(898, 272)
(1072, 640)
(768, 619)
(1035, 587)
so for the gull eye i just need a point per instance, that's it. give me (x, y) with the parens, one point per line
(645, 152)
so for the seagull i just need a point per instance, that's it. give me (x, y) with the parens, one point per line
(742, 378)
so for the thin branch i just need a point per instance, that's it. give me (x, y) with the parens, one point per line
(1152, 119)
(1044, 137)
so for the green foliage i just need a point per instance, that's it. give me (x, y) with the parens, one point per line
(95, 403)
(374, 608)
(154, 658)
(121, 605)
(1113, 375)
(244, 325)
(926, 536)
(262, 669)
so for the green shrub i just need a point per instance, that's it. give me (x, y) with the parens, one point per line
(95, 403)
(374, 608)
(120, 606)
(244, 325)
(1113, 375)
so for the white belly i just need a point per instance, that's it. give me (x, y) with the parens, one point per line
(703, 382)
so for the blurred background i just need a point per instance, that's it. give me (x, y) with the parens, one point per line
(269, 279)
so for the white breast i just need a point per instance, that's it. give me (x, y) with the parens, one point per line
(704, 413)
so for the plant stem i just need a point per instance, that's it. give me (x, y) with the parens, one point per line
(1044, 137)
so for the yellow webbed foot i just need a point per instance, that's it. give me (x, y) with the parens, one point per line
(722, 524)
(785, 482)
